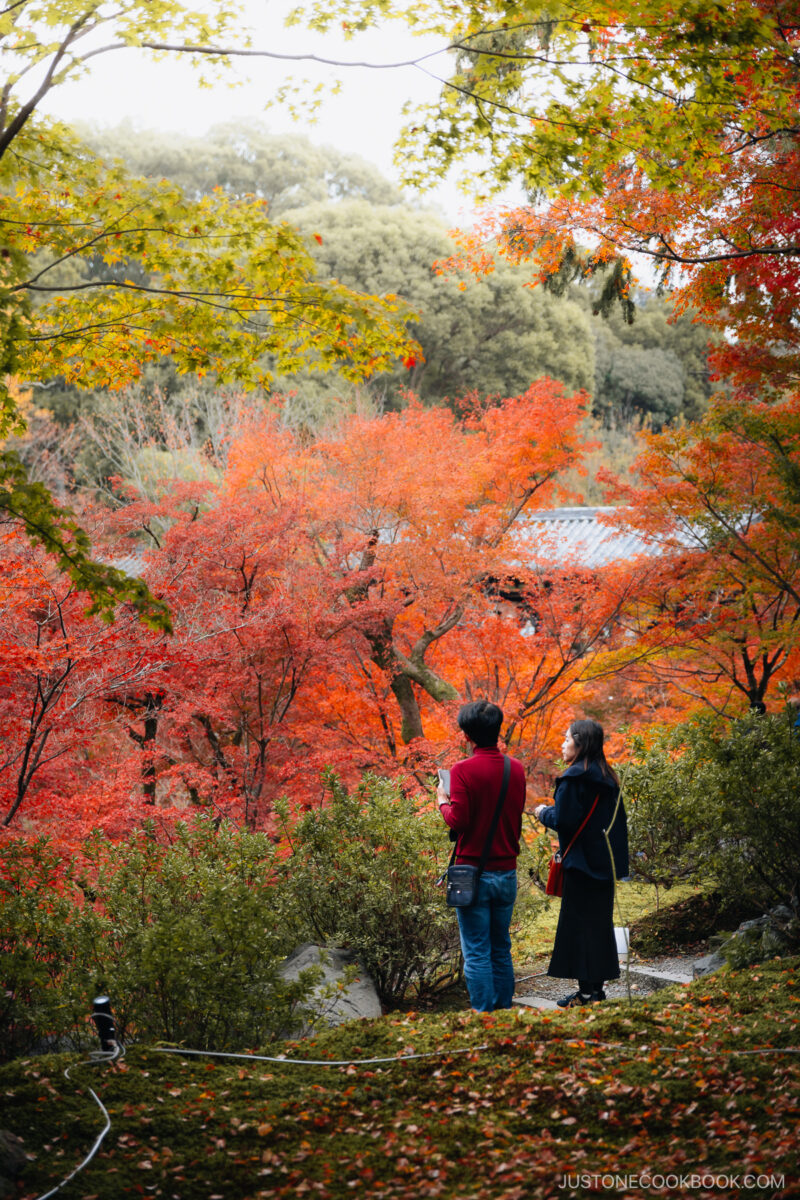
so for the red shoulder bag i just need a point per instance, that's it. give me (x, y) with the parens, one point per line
(555, 876)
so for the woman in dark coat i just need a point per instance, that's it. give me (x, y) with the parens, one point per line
(585, 947)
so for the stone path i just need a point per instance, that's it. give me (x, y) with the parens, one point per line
(535, 989)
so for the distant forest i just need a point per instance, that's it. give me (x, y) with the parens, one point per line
(480, 337)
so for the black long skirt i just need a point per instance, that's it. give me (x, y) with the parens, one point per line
(585, 946)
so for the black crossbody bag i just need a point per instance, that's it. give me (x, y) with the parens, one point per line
(463, 878)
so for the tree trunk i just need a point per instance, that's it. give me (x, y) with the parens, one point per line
(411, 717)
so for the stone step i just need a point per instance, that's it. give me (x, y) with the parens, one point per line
(656, 979)
(644, 980)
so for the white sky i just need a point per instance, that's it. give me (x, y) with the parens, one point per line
(364, 118)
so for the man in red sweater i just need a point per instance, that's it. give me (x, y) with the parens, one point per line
(474, 791)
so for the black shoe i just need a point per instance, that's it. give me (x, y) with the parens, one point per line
(574, 1000)
(579, 998)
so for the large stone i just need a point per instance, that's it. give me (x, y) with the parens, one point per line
(707, 965)
(12, 1162)
(754, 926)
(781, 913)
(346, 991)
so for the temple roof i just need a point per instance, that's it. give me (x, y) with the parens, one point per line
(562, 535)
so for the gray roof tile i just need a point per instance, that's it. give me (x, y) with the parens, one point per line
(563, 535)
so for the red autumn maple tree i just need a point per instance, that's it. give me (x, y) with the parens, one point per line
(718, 617)
(57, 667)
(421, 518)
(332, 602)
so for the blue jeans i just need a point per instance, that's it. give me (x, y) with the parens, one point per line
(486, 943)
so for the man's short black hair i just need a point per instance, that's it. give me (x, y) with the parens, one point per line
(481, 720)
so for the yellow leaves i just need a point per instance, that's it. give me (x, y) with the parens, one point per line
(224, 287)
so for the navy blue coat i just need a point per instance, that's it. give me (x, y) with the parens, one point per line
(574, 796)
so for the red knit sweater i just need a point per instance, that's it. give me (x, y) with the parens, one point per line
(474, 792)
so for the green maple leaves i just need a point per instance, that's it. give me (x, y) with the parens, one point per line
(58, 532)
(563, 94)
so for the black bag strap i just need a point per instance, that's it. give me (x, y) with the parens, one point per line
(495, 818)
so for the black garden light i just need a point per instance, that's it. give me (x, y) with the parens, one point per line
(104, 1022)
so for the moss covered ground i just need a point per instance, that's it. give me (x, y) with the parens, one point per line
(515, 1106)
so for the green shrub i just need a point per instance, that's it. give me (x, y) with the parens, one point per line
(720, 801)
(747, 785)
(362, 874)
(186, 938)
(533, 864)
(39, 934)
(661, 810)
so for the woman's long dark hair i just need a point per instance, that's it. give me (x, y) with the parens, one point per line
(588, 738)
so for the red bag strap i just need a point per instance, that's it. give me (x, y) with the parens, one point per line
(580, 827)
